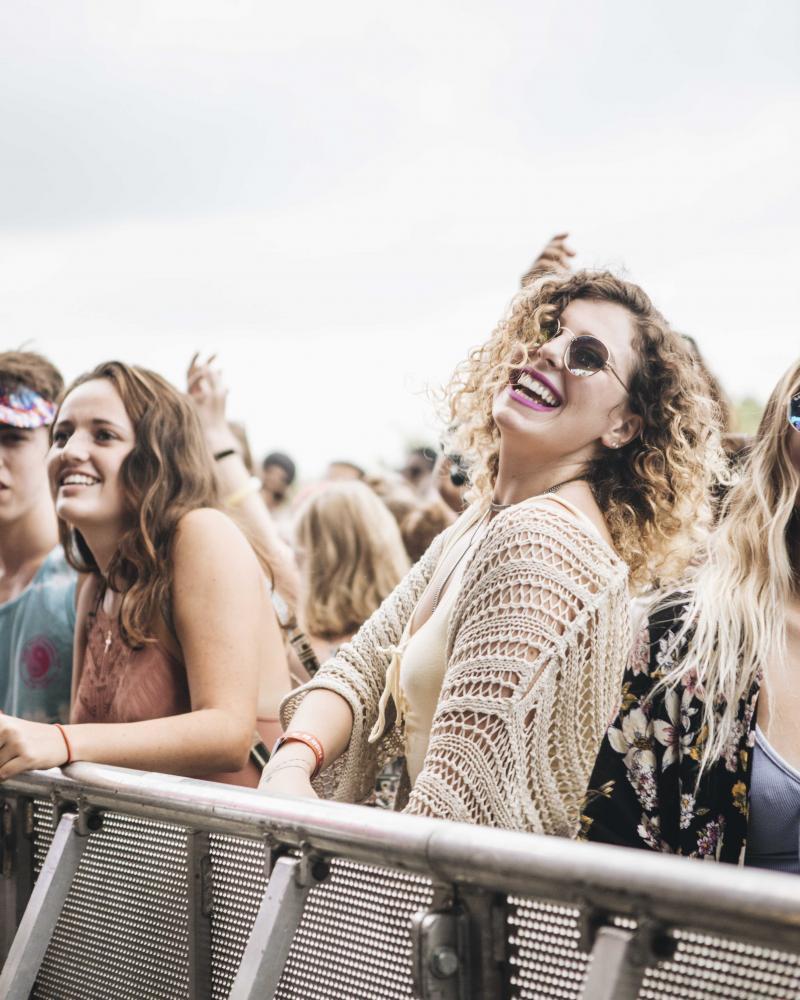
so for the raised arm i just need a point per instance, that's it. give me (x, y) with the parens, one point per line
(208, 393)
(530, 684)
(219, 598)
(554, 258)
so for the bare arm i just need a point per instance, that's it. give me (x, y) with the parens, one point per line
(208, 393)
(553, 259)
(340, 705)
(219, 600)
(324, 714)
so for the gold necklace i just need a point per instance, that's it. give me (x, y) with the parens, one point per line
(496, 508)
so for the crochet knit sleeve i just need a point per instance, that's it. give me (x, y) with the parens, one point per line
(358, 674)
(537, 645)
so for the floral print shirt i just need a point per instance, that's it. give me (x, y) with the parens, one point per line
(644, 791)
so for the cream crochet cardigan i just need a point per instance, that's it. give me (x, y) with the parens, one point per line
(536, 649)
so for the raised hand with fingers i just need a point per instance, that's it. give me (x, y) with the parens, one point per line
(207, 390)
(555, 258)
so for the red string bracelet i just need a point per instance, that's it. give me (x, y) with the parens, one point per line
(309, 740)
(60, 728)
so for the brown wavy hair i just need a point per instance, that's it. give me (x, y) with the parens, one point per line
(167, 474)
(655, 491)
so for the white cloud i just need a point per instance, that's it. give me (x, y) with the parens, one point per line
(341, 197)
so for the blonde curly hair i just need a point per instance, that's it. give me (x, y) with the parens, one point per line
(655, 492)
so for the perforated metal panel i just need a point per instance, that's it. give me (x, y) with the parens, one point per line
(712, 968)
(123, 934)
(354, 941)
(548, 964)
(123, 930)
(240, 878)
(545, 957)
(42, 831)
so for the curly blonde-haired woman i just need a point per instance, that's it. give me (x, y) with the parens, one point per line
(496, 663)
(684, 768)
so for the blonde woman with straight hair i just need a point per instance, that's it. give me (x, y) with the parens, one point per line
(351, 557)
(685, 767)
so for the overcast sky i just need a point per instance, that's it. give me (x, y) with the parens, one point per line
(339, 198)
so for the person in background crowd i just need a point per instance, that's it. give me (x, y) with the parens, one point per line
(278, 473)
(451, 479)
(343, 469)
(418, 471)
(351, 557)
(703, 758)
(419, 521)
(176, 639)
(495, 665)
(37, 587)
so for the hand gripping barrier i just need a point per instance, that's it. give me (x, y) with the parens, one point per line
(123, 884)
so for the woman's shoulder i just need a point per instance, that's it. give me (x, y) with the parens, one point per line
(549, 526)
(206, 524)
(209, 535)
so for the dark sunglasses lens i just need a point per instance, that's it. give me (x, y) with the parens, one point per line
(794, 411)
(586, 356)
(549, 327)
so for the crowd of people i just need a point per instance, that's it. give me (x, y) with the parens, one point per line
(578, 615)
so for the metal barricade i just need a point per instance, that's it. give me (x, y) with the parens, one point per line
(122, 884)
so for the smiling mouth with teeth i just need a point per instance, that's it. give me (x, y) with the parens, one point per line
(524, 383)
(77, 479)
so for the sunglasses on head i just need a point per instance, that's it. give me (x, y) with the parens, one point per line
(793, 411)
(584, 355)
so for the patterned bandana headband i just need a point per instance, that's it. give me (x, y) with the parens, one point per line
(22, 407)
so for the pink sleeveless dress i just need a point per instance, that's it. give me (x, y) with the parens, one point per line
(120, 684)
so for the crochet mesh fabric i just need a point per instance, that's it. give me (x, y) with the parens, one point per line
(536, 650)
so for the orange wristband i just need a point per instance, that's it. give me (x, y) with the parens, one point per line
(307, 739)
(60, 728)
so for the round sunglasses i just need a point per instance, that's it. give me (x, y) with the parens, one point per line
(584, 355)
(793, 411)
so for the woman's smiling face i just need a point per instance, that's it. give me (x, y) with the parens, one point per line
(566, 416)
(92, 437)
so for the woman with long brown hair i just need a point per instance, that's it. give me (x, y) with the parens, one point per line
(177, 648)
(495, 665)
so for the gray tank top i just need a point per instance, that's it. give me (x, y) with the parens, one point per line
(773, 826)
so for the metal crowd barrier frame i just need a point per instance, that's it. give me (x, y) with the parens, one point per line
(469, 913)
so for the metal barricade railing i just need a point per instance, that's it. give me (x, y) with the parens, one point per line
(122, 884)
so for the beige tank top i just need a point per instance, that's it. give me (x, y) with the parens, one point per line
(422, 668)
(416, 673)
